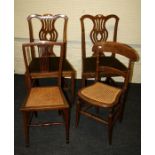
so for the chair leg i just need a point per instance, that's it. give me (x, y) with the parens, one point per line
(66, 118)
(36, 114)
(37, 82)
(28, 82)
(63, 82)
(110, 128)
(26, 127)
(122, 108)
(73, 86)
(97, 110)
(59, 112)
(77, 113)
(83, 82)
(121, 113)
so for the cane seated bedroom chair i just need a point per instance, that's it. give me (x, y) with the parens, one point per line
(96, 29)
(53, 28)
(104, 96)
(45, 98)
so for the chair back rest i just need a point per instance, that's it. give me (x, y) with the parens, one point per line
(41, 50)
(119, 49)
(100, 29)
(52, 28)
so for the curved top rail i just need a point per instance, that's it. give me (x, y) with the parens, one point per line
(117, 48)
(47, 16)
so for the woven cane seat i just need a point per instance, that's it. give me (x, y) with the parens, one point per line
(45, 97)
(102, 93)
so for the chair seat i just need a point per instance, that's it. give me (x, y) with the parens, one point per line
(100, 94)
(90, 63)
(48, 97)
(53, 63)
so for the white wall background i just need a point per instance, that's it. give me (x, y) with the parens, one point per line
(129, 29)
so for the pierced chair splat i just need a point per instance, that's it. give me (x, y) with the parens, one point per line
(95, 29)
(52, 28)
